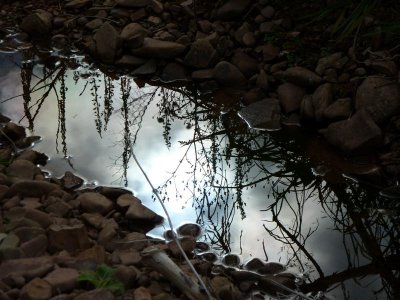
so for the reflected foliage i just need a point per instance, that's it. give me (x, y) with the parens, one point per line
(226, 160)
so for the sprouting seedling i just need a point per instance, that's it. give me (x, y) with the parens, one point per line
(103, 277)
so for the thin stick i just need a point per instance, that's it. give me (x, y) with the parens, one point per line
(172, 228)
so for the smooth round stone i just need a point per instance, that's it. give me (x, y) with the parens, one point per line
(193, 230)
(201, 246)
(209, 256)
(232, 260)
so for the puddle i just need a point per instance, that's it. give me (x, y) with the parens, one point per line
(254, 193)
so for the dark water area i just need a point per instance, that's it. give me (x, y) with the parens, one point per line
(281, 196)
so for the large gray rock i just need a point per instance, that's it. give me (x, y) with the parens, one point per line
(264, 114)
(228, 75)
(380, 97)
(200, 54)
(107, 43)
(359, 134)
(232, 9)
(159, 49)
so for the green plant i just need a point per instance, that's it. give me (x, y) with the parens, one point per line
(103, 277)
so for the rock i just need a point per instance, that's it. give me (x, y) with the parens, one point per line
(70, 181)
(252, 96)
(202, 75)
(95, 203)
(62, 279)
(249, 39)
(38, 24)
(129, 257)
(127, 275)
(13, 131)
(262, 80)
(59, 208)
(33, 156)
(232, 9)
(254, 264)
(231, 260)
(174, 72)
(358, 134)
(28, 213)
(22, 169)
(339, 110)
(228, 75)
(107, 233)
(36, 246)
(36, 289)
(290, 96)
(107, 43)
(133, 3)
(269, 52)
(31, 188)
(102, 293)
(93, 219)
(26, 233)
(287, 280)
(27, 267)
(246, 64)
(134, 240)
(188, 244)
(148, 68)
(130, 61)
(159, 49)
(142, 293)
(271, 268)
(200, 54)
(133, 35)
(67, 237)
(327, 62)
(94, 24)
(380, 97)
(321, 99)
(74, 4)
(193, 230)
(268, 12)
(300, 76)
(9, 247)
(241, 31)
(264, 114)
(137, 211)
(386, 67)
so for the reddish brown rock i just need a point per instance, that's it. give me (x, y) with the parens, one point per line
(62, 279)
(95, 203)
(36, 289)
(70, 238)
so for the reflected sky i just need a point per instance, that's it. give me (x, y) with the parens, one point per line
(97, 157)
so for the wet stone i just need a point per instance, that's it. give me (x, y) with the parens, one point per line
(70, 181)
(264, 114)
(193, 230)
(271, 268)
(231, 260)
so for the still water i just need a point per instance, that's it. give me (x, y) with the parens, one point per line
(256, 194)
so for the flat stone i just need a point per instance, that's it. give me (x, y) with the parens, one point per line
(358, 134)
(28, 213)
(77, 3)
(27, 267)
(129, 257)
(66, 237)
(94, 219)
(36, 289)
(71, 181)
(62, 279)
(31, 188)
(137, 211)
(95, 254)
(159, 49)
(95, 203)
(59, 208)
(22, 169)
(27, 233)
(264, 114)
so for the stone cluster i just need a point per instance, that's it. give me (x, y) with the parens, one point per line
(353, 97)
(52, 229)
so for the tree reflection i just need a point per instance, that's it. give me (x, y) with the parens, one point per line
(226, 159)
